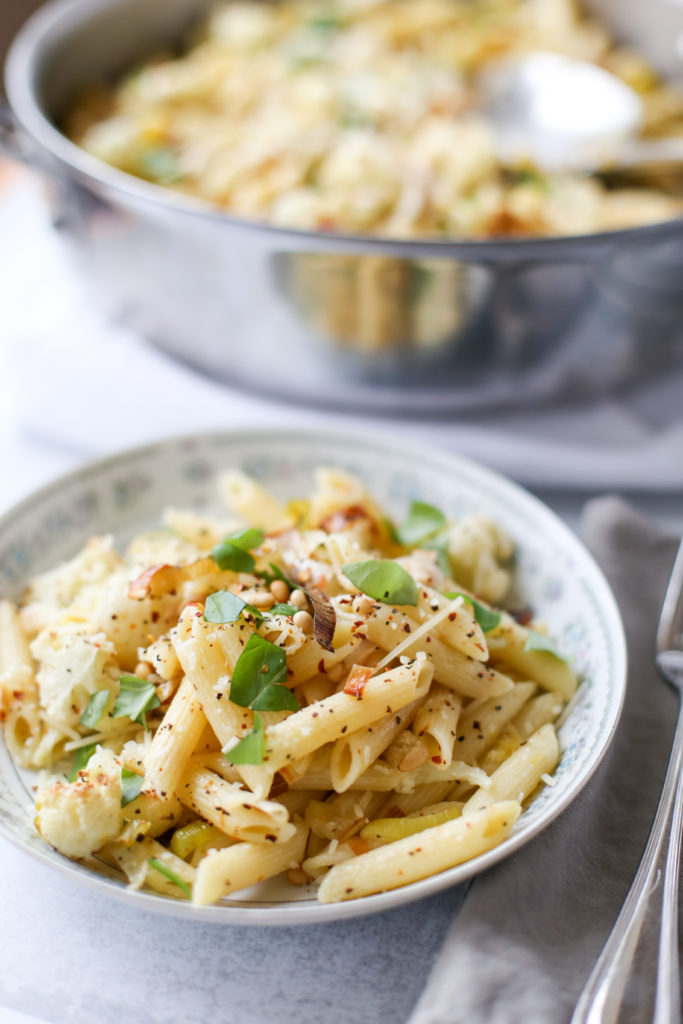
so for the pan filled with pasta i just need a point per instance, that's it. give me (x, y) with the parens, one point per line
(304, 197)
(288, 704)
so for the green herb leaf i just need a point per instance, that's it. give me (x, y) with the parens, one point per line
(326, 23)
(171, 875)
(423, 521)
(246, 539)
(83, 755)
(224, 606)
(233, 552)
(390, 527)
(385, 581)
(539, 642)
(251, 749)
(160, 164)
(261, 667)
(275, 697)
(486, 618)
(136, 697)
(131, 786)
(95, 709)
(283, 609)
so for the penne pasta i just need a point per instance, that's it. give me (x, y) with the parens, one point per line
(223, 872)
(518, 776)
(232, 809)
(175, 739)
(415, 857)
(330, 718)
(352, 754)
(550, 672)
(438, 719)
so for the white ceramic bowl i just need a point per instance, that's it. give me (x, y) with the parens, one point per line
(555, 576)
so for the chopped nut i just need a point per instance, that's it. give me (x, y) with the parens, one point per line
(304, 621)
(416, 756)
(280, 591)
(297, 876)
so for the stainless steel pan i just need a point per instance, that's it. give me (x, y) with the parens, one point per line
(405, 327)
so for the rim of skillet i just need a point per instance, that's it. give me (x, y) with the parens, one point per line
(59, 16)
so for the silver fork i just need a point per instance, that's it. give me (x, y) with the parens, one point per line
(601, 998)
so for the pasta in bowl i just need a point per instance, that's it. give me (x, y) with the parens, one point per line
(314, 704)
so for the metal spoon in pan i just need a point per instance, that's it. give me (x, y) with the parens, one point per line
(566, 114)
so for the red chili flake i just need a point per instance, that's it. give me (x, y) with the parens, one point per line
(358, 677)
(406, 627)
(436, 759)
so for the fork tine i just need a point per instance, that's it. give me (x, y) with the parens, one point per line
(672, 609)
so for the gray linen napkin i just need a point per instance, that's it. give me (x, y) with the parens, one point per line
(531, 929)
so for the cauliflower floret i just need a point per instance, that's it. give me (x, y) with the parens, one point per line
(478, 549)
(161, 547)
(73, 666)
(80, 817)
(59, 588)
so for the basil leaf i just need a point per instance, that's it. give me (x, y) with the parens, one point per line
(276, 697)
(260, 666)
(246, 539)
(283, 609)
(486, 618)
(251, 749)
(392, 532)
(233, 552)
(171, 875)
(131, 786)
(95, 709)
(227, 555)
(423, 521)
(383, 580)
(136, 696)
(83, 755)
(224, 606)
(539, 642)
